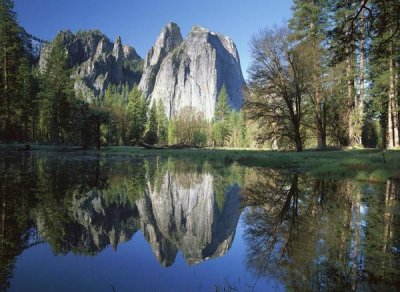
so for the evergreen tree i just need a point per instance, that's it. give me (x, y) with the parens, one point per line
(162, 123)
(97, 117)
(116, 99)
(57, 96)
(171, 131)
(221, 129)
(152, 125)
(137, 115)
(222, 108)
(11, 55)
(385, 63)
(362, 27)
(26, 108)
(243, 134)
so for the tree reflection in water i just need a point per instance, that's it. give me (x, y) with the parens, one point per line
(310, 234)
(321, 234)
(82, 205)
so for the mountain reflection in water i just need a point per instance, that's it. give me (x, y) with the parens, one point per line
(306, 233)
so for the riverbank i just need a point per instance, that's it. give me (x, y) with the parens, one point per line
(370, 165)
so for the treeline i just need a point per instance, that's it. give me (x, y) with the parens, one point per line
(130, 120)
(329, 76)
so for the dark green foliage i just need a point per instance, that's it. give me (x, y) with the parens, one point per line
(162, 124)
(137, 112)
(57, 97)
(152, 127)
(15, 72)
(370, 137)
(133, 69)
(221, 127)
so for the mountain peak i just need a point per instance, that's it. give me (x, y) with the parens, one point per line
(169, 38)
(190, 73)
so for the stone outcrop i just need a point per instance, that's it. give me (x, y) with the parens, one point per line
(169, 39)
(97, 62)
(192, 72)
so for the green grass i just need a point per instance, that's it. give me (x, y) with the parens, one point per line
(360, 164)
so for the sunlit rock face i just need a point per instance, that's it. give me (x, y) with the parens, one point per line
(169, 39)
(182, 214)
(193, 71)
(97, 62)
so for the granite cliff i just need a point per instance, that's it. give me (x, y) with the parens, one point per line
(191, 72)
(97, 62)
(178, 72)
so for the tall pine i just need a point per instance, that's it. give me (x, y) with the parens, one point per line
(11, 54)
(221, 128)
(57, 96)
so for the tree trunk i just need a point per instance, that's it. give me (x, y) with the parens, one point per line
(6, 96)
(360, 103)
(321, 131)
(297, 138)
(350, 85)
(397, 101)
(350, 98)
(321, 140)
(393, 111)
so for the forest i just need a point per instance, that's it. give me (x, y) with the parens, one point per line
(329, 77)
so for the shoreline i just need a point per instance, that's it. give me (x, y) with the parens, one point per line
(358, 164)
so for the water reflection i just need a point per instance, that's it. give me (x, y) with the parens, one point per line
(182, 213)
(84, 205)
(309, 234)
(323, 235)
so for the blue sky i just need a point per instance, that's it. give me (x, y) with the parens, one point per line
(139, 22)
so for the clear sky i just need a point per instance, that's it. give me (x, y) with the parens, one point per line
(139, 22)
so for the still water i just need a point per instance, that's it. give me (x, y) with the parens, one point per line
(122, 223)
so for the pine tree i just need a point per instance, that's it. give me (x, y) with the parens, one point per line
(137, 115)
(385, 71)
(11, 52)
(116, 99)
(221, 129)
(242, 127)
(151, 133)
(57, 95)
(171, 131)
(162, 123)
(222, 108)
(27, 109)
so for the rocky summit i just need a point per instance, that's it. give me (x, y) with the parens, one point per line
(97, 62)
(181, 73)
(190, 73)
